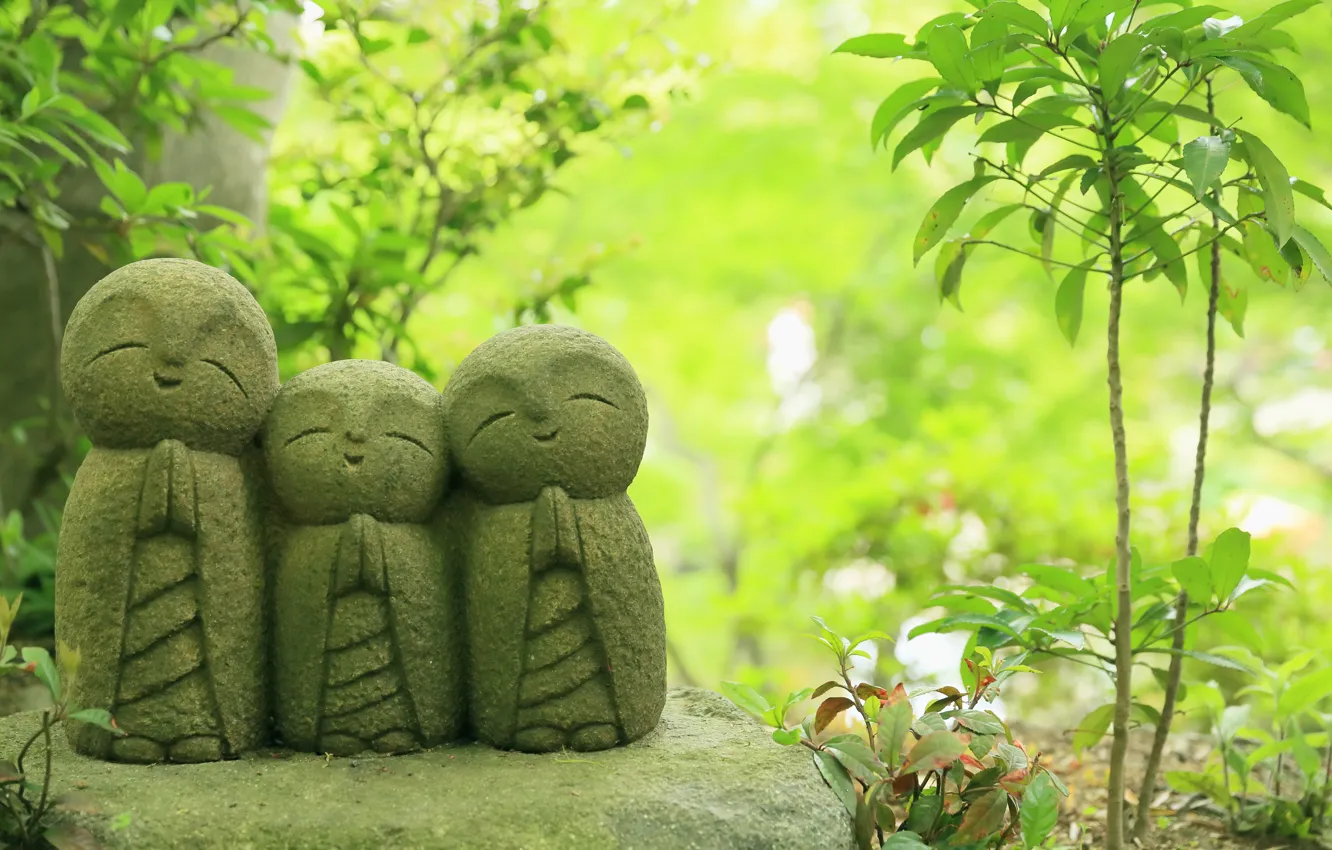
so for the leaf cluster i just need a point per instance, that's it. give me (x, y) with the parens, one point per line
(1085, 106)
(1271, 770)
(440, 130)
(25, 798)
(952, 776)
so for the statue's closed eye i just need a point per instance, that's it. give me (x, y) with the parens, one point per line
(230, 374)
(113, 349)
(398, 435)
(593, 397)
(318, 429)
(490, 420)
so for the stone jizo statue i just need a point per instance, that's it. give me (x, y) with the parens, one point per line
(366, 630)
(170, 368)
(566, 630)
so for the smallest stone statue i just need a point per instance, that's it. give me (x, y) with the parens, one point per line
(566, 628)
(366, 625)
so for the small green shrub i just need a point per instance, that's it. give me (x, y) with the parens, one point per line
(1270, 776)
(952, 777)
(25, 802)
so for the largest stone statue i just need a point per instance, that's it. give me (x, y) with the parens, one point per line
(170, 367)
(566, 629)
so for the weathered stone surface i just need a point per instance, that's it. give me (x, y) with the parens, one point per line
(566, 629)
(707, 778)
(367, 625)
(170, 367)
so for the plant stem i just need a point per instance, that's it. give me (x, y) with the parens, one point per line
(1123, 630)
(1142, 825)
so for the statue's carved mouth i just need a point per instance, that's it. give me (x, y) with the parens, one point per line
(545, 438)
(353, 461)
(165, 382)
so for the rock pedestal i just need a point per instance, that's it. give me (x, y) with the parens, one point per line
(707, 777)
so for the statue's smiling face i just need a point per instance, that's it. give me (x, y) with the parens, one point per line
(164, 350)
(546, 406)
(357, 436)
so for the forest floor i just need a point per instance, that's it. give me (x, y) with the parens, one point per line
(1188, 824)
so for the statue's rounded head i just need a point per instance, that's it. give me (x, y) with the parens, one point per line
(546, 405)
(357, 436)
(169, 349)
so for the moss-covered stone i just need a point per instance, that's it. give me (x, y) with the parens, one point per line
(708, 777)
(566, 628)
(367, 628)
(170, 367)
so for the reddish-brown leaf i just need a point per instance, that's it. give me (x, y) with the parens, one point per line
(865, 690)
(829, 709)
(935, 751)
(904, 784)
(898, 695)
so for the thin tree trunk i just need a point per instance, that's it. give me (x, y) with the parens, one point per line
(1143, 824)
(1114, 837)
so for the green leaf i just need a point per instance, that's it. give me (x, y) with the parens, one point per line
(1210, 658)
(1060, 579)
(746, 698)
(251, 124)
(948, 54)
(983, 722)
(1193, 782)
(1019, 16)
(1077, 160)
(935, 751)
(876, 46)
(1304, 693)
(1117, 60)
(1194, 577)
(1232, 304)
(953, 623)
(1039, 811)
(1229, 560)
(991, 220)
(44, 668)
(1277, 85)
(97, 717)
(1279, 202)
(857, 759)
(905, 840)
(1322, 260)
(944, 213)
(1205, 158)
(1092, 728)
(1068, 302)
(989, 46)
(1184, 19)
(948, 270)
(125, 11)
(1027, 127)
(834, 773)
(895, 721)
(897, 106)
(1167, 251)
(1309, 190)
(930, 127)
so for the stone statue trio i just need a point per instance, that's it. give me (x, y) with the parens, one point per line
(352, 561)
